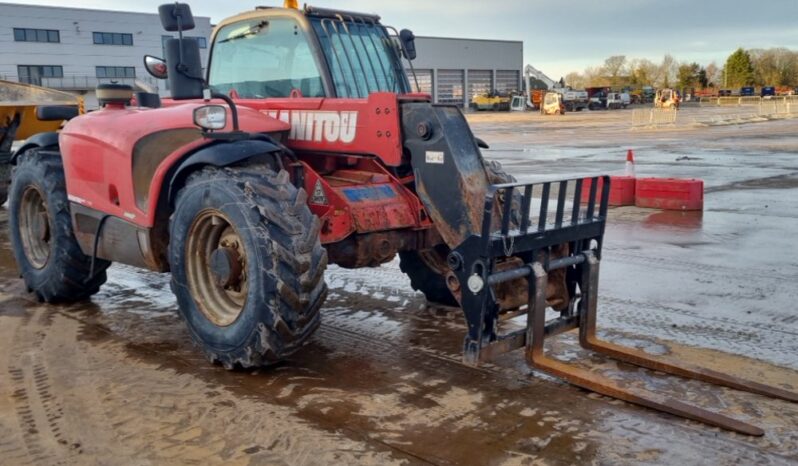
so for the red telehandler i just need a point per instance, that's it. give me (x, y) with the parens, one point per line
(304, 144)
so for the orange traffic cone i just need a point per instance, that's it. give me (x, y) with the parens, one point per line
(630, 163)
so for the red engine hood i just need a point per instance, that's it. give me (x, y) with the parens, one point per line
(122, 127)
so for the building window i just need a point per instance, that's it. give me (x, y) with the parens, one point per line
(36, 35)
(113, 38)
(33, 74)
(115, 71)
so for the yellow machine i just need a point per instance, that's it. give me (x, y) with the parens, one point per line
(492, 101)
(18, 120)
(667, 98)
(552, 104)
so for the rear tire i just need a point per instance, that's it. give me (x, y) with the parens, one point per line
(48, 255)
(426, 269)
(5, 179)
(262, 303)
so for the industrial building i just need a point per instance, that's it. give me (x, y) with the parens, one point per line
(75, 49)
(455, 69)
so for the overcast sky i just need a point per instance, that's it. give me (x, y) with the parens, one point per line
(559, 36)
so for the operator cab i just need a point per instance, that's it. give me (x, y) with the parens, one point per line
(313, 52)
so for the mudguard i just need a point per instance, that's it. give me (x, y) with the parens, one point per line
(220, 154)
(450, 177)
(37, 140)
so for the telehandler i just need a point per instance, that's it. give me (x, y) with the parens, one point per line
(305, 145)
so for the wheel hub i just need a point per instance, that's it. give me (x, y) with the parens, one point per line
(216, 267)
(225, 264)
(34, 227)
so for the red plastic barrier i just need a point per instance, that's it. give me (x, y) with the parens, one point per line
(670, 193)
(622, 190)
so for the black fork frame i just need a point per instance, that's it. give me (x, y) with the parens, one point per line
(475, 259)
(473, 264)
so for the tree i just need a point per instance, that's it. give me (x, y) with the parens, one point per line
(642, 72)
(713, 74)
(739, 71)
(687, 75)
(775, 67)
(703, 79)
(613, 66)
(575, 80)
(666, 71)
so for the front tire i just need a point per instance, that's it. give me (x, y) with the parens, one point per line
(247, 264)
(48, 255)
(427, 269)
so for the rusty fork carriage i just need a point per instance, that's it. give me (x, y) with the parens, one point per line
(581, 227)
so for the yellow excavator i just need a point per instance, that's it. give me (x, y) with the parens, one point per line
(18, 120)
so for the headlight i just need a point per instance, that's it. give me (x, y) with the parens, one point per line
(210, 117)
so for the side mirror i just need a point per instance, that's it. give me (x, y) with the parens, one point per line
(408, 41)
(184, 68)
(176, 17)
(155, 66)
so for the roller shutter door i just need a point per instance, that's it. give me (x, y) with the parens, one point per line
(479, 82)
(424, 81)
(507, 80)
(450, 86)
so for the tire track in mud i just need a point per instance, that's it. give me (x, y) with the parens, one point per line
(680, 265)
(347, 327)
(769, 341)
(39, 411)
(172, 424)
(761, 341)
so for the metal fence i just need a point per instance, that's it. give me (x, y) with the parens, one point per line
(653, 117)
(745, 100)
(91, 82)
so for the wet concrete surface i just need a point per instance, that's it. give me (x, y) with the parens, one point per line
(117, 381)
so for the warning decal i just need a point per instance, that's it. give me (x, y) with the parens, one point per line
(319, 197)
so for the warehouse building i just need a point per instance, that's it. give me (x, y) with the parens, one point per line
(75, 49)
(453, 70)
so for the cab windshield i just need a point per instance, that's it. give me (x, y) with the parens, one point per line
(362, 58)
(264, 58)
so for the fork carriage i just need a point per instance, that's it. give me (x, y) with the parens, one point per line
(478, 264)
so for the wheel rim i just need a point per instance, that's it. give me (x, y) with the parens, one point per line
(216, 267)
(435, 258)
(34, 227)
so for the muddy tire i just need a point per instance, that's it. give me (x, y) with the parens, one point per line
(5, 180)
(247, 264)
(426, 269)
(48, 255)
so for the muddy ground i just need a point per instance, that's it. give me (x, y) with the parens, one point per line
(117, 381)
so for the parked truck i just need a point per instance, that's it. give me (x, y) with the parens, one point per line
(573, 100)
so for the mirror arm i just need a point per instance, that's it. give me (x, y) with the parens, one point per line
(180, 65)
(233, 108)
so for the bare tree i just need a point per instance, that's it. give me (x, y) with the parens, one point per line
(667, 71)
(575, 80)
(613, 67)
(713, 74)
